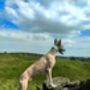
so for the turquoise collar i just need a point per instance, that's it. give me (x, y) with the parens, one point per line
(55, 47)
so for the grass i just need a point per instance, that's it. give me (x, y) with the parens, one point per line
(12, 65)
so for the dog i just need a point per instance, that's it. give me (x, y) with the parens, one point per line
(44, 65)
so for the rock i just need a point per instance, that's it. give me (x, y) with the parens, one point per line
(85, 85)
(88, 84)
(61, 83)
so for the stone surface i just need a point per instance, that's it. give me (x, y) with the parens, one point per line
(63, 83)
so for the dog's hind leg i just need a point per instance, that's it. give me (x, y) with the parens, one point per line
(23, 84)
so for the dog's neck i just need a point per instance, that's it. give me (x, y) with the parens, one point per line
(53, 50)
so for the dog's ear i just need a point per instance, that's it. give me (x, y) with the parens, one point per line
(55, 41)
(59, 42)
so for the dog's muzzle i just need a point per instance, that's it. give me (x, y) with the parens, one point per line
(61, 51)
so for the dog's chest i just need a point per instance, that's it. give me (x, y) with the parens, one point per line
(51, 61)
(45, 63)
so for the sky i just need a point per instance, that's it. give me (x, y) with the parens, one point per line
(32, 25)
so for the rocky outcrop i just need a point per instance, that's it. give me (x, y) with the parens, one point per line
(66, 84)
(84, 85)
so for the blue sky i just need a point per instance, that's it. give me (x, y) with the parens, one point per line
(32, 25)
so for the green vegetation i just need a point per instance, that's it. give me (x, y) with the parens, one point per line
(12, 65)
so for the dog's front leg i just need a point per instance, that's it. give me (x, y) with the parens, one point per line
(50, 78)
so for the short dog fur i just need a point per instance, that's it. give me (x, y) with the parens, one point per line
(44, 65)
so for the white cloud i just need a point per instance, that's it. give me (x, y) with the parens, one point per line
(59, 16)
(21, 41)
(22, 35)
(13, 15)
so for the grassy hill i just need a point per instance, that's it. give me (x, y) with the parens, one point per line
(12, 65)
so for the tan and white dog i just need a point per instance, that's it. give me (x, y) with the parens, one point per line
(43, 65)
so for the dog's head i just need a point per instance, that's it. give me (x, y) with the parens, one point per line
(59, 46)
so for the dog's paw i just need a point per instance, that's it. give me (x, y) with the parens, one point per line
(53, 85)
